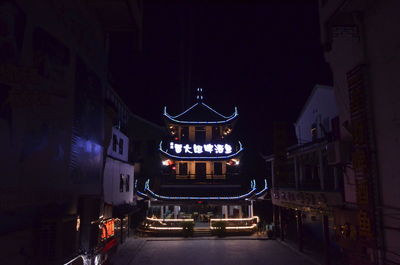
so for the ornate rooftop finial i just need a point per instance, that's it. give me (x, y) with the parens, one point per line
(199, 96)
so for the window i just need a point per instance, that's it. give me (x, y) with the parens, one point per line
(200, 134)
(183, 168)
(114, 143)
(216, 133)
(314, 132)
(121, 182)
(185, 133)
(127, 183)
(200, 170)
(217, 168)
(121, 146)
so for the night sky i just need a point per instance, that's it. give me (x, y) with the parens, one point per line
(263, 57)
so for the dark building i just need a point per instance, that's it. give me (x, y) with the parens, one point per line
(307, 185)
(53, 74)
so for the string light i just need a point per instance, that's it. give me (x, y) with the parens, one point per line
(169, 220)
(235, 219)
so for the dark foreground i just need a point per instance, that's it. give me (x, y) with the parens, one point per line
(207, 252)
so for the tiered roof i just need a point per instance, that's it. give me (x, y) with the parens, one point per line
(200, 113)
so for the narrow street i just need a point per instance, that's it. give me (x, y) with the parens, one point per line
(207, 251)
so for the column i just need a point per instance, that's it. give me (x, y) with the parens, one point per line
(325, 229)
(251, 209)
(299, 230)
(301, 173)
(272, 174)
(230, 207)
(296, 175)
(321, 171)
(162, 212)
(240, 211)
(176, 211)
(224, 211)
(336, 178)
(281, 225)
(274, 219)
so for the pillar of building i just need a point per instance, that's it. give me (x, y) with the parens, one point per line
(251, 209)
(321, 171)
(301, 172)
(240, 212)
(299, 219)
(296, 175)
(336, 178)
(272, 174)
(281, 225)
(325, 229)
(231, 208)
(176, 211)
(162, 212)
(224, 211)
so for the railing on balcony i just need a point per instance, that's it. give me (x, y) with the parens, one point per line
(201, 179)
(249, 223)
(165, 224)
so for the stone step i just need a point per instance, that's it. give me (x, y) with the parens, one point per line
(202, 232)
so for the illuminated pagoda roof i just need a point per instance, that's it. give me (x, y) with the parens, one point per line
(200, 113)
(217, 193)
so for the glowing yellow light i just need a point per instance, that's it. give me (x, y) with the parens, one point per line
(169, 220)
(238, 227)
(165, 162)
(236, 219)
(78, 223)
(165, 228)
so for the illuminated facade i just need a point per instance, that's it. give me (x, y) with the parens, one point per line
(201, 180)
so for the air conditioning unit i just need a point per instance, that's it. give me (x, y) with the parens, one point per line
(338, 152)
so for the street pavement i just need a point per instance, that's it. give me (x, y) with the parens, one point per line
(208, 251)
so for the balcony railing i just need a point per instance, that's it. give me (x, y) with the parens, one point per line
(165, 224)
(236, 223)
(201, 179)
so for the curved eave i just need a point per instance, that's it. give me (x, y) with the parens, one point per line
(224, 119)
(224, 157)
(262, 192)
(154, 195)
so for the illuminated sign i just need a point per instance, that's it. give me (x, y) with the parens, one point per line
(201, 151)
(107, 229)
(201, 148)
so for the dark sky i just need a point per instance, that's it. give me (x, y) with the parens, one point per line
(263, 57)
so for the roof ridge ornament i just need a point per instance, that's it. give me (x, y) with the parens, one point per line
(199, 96)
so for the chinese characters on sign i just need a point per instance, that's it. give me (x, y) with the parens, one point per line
(201, 148)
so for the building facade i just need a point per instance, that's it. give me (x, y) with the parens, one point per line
(201, 181)
(360, 39)
(53, 71)
(306, 187)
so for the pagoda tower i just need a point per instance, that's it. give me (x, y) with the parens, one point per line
(201, 180)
